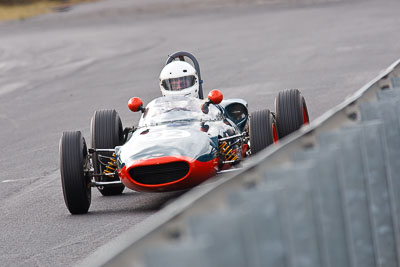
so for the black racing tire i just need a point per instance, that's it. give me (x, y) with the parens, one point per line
(75, 182)
(262, 130)
(291, 112)
(106, 133)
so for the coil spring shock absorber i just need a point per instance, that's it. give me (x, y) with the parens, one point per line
(111, 166)
(228, 153)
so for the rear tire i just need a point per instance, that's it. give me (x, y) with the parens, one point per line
(291, 112)
(262, 130)
(75, 182)
(107, 133)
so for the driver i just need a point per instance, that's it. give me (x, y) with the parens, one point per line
(179, 78)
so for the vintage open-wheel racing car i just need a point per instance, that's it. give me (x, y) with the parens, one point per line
(178, 143)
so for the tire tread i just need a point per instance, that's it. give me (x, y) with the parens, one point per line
(77, 196)
(289, 106)
(106, 133)
(261, 134)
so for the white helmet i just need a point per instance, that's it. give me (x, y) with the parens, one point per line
(179, 78)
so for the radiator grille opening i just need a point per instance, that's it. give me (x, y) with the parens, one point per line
(160, 173)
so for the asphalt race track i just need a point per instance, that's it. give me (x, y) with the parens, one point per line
(55, 70)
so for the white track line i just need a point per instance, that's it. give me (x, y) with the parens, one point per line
(17, 180)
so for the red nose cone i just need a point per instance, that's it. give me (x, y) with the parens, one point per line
(135, 103)
(215, 96)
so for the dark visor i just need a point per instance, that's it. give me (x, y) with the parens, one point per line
(177, 84)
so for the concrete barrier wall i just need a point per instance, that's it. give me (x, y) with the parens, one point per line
(327, 195)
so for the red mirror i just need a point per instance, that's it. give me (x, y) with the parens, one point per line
(135, 104)
(215, 96)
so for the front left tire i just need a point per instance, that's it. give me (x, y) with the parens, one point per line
(262, 130)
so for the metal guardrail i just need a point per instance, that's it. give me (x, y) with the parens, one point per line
(327, 195)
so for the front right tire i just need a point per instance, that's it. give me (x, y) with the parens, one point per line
(75, 181)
